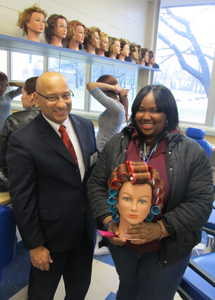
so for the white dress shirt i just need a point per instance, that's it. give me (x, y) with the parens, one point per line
(73, 137)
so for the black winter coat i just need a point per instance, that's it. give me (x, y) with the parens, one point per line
(190, 182)
(12, 123)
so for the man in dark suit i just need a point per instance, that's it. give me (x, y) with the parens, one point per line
(48, 192)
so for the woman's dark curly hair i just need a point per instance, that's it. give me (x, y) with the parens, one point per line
(165, 103)
(51, 25)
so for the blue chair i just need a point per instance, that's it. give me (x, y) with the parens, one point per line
(7, 238)
(198, 135)
(198, 282)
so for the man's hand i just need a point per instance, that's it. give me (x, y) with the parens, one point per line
(143, 232)
(40, 258)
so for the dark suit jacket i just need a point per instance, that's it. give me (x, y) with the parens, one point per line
(49, 200)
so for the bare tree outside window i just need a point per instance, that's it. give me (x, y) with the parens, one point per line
(185, 55)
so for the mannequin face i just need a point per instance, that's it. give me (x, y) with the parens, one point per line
(36, 23)
(96, 40)
(61, 28)
(79, 34)
(125, 51)
(26, 99)
(152, 60)
(135, 54)
(146, 57)
(134, 202)
(3, 87)
(104, 46)
(116, 47)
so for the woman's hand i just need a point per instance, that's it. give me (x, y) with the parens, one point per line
(118, 241)
(124, 92)
(144, 232)
(118, 88)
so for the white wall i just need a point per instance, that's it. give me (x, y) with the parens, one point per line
(171, 3)
(119, 18)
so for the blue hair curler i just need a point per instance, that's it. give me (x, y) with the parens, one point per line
(115, 218)
(155, 210)
(113, 209)
(149, 218)
(113, 192)
(112, 200)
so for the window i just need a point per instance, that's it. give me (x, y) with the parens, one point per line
(127, 79)
(3, 58)
(75, 74)
(185, 53)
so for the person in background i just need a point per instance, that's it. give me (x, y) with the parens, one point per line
(113, 97)
(49, 162)
(109, 93)
(7, 97)
(18, 119)
(162, 249)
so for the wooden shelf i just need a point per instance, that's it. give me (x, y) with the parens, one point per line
(22, 45)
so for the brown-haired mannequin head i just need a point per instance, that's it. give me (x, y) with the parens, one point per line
(134, 52)
(124, 49)
(144, 56)
(135, 194)
(104, 44)
(32, 22)
(114, 47)
(76, 35)
(92, 40)
(56, 30)
(151, 59)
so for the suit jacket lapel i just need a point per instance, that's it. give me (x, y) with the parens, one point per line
(50, 137)
(82, 138)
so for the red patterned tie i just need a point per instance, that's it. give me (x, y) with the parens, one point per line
(67, 142)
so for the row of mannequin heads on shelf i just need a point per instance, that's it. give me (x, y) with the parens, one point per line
(74, 35)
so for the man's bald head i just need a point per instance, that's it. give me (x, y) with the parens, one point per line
(53, 85)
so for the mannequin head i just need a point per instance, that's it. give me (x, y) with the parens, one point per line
(92, 39)
(3, 83)
(151, 59)
(28, 92)
(104, 44)
(32, 19)
(144, 56)
(114, 47)
(134, 52)
(77, 32)
(136, 194)
(56, 28)
(124, 49)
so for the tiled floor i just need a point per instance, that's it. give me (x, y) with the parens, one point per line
(103, 286)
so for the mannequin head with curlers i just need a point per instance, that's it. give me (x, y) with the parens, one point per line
(56, 30)
(76, 35)
(32, 22)
(135, 194)
(92, 40)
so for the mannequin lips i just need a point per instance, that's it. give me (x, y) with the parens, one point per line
(133, 216)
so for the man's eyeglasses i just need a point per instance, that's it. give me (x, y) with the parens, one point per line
(55, 98)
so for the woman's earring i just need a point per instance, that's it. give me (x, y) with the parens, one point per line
(166, 123)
